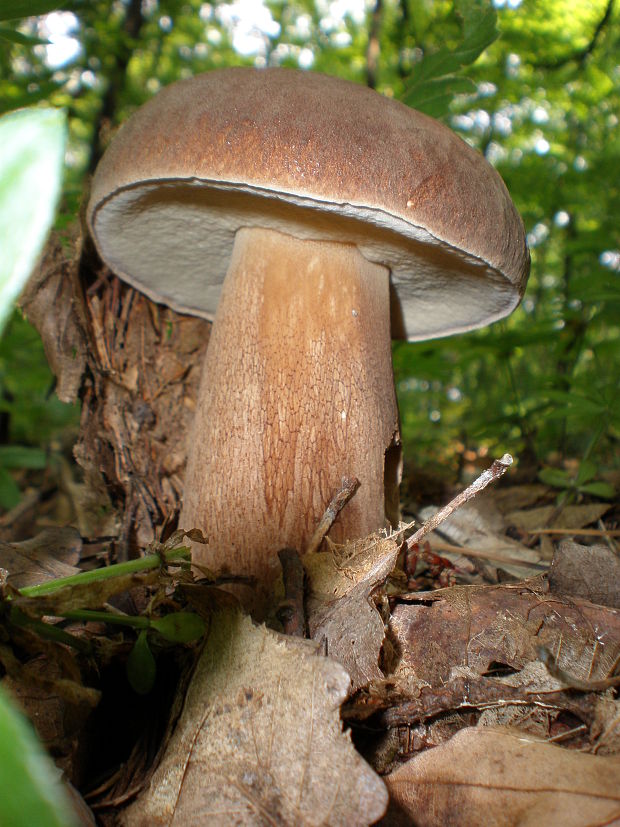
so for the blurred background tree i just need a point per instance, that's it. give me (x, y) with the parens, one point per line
(541, 101)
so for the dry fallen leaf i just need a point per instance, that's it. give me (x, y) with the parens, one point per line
(340, 613)
(52, 553)
(56, 719)
(606, 725)
(571, 516)
(480, 626)
(502, 778)
(591, 572)
(467, 649)
(259, 740)
(513, 497)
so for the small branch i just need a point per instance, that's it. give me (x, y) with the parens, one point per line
(580, 55)
(116, 78)
(347, 490)
(497, 469)
(290, 612)
(576, 532)
(373, 49)
(545, 656)
(487, 555)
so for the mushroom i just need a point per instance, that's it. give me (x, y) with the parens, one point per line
(312, 219)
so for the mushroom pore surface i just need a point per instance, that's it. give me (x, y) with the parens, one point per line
(297, 391)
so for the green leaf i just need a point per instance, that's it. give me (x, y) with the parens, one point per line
(179, 627)
(10, 495)
(33, 143)
(479, 26)
(18, 37)
(434, 82)
(587, 471)
(599, 489)
(555, 477)
(31, 793)
(141, 666)
(19, 99)
(13, 9)
(433, 97)
(574, 404)
(22, 456)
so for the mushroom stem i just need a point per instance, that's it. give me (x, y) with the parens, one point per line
(297, 392)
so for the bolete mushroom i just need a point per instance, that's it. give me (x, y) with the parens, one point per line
(312, 219)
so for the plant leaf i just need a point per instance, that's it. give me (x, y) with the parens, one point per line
(235, 754)
(31, 794)
(22, 456)
(555, 478)
(179, 627)
(33, 143)
(587, 471)
(14, 9)
(433, 96)
(19, 37)
(571, 403)
(512, 776)
(434, 82)
(10, 494)
(599, 489)
(141, 667)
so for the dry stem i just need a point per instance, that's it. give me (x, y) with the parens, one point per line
(338, 502)
(497, 469)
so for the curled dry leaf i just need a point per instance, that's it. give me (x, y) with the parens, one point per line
(50, 302)
(340, 613)
(259, 740)
(502, 778)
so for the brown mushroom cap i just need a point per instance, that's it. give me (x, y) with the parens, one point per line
(318, 158)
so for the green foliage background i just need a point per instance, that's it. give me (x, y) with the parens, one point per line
(541, 101)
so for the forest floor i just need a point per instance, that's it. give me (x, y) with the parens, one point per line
(474, 668)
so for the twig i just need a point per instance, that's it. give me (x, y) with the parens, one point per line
(338, 502)
(563, 736)
(28, 503)
(290, 612)
(373, 49)
(577, 532)
(608, 537)
(545, 656)
(487, 555)
(497, 469)
(580, 55)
